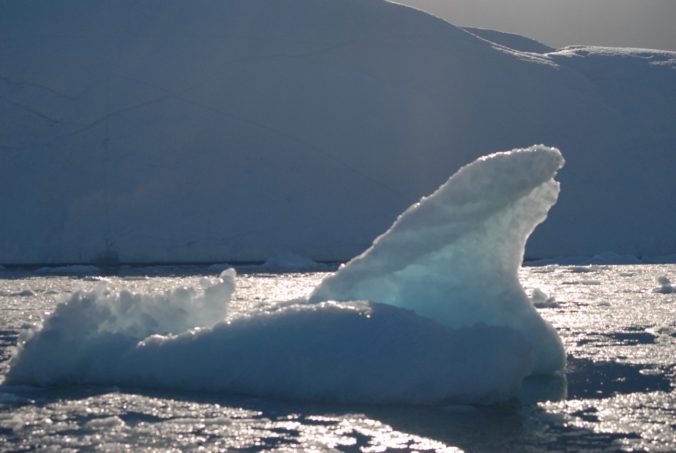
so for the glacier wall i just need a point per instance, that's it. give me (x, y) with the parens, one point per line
(169, 131)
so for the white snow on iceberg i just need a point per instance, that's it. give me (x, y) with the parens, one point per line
(431, 313)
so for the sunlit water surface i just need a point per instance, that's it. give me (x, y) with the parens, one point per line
(617, 323)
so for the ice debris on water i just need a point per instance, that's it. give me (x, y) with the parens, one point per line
(541, 300)
(665, 286)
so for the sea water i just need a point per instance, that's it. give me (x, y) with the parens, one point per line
(617, 323)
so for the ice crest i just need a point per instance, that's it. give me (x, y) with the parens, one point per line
(454, 256)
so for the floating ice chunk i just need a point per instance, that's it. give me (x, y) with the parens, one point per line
(602, 258)
(23, 293)
(541, 300)
(432, 313)
(107, 423)
(665, 286)
(663, 331)
(584, 269)
(585, 282)
(454, 256)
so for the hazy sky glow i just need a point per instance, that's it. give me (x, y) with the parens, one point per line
(620, 23)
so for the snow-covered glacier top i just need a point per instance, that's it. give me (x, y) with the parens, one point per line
(214, 131)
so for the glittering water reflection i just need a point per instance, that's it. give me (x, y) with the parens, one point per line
(617, 392)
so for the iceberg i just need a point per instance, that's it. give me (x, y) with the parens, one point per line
(431, 313)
